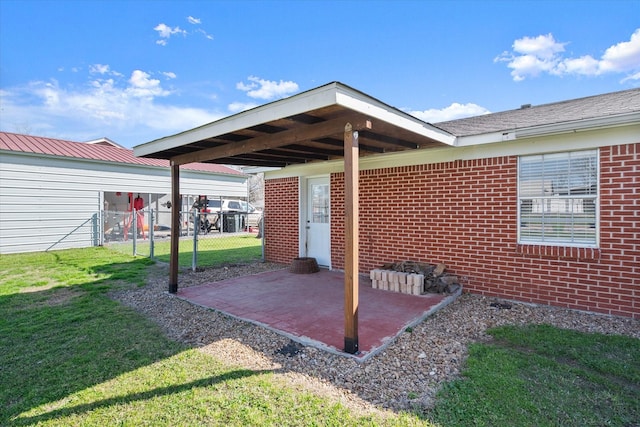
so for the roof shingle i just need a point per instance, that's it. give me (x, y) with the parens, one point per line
(597, 106)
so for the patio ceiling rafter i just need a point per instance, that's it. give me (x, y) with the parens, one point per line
(328, 122)
(272, 140)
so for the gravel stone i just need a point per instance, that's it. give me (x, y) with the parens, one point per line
(404, 376)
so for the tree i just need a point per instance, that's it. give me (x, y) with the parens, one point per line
(256, 189)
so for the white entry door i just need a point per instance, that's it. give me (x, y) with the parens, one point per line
(318, 221)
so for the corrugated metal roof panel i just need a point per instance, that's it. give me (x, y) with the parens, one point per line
(58, 147)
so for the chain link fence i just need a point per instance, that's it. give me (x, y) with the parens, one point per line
(206, 239)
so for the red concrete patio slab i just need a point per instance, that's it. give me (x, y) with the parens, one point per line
(309, 308)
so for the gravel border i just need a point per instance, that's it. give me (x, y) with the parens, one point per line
(405, 375)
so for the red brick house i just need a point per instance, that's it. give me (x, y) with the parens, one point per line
(470, 206)
(539, 204)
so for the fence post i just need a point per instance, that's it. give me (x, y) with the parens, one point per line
(261, 228)
(102, 220)
(151, 234)
(221, 217)
(94, 229)
(196, 228)
(134, 219)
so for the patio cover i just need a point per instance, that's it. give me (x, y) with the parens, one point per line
(328, 122)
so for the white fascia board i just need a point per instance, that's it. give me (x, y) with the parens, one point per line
(485, 138)
(331, 94)
(371, 107)
(306, 101)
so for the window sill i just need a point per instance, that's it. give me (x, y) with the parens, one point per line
(563, 252)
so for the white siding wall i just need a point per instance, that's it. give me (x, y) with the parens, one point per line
(51, 203)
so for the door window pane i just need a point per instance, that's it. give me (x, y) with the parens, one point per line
(320, 203)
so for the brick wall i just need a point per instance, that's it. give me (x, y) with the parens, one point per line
(281, 219)
(464, 214)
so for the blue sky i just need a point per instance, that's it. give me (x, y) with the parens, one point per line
(134, 71)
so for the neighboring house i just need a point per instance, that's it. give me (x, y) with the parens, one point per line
(539, 204)
(52, 191)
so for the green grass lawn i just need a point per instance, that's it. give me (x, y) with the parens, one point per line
(69, 355)
(539, 375)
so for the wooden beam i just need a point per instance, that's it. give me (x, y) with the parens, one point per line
(176, 205)
(389, 140)
(265, 142)
(351, 202)
(338, 143)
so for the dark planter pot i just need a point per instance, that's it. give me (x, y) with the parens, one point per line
(304, 265)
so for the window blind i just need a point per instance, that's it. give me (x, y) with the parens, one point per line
(557, 198)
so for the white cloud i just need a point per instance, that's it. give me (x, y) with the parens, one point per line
(266, 89)
(177, 119)
(204, 33)
(142, 86)
(531, 57)
(585, 65)
(622, 57)
(129, 111)
(102, 69)
(169, 74)
(635, 76)
(543, 46)
(237, 107)
(165, 32)
(98, 69)
(452, 112)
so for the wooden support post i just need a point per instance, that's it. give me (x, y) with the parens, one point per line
(351, 202)
(176, 206)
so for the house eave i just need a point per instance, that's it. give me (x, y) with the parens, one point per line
(573, 126)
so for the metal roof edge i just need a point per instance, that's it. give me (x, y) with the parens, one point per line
(110, 162)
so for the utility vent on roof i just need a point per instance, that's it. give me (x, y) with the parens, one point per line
(523, 106)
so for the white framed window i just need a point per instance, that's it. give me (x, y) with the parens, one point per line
(558, 199)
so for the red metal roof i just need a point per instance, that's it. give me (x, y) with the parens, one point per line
(58, 147)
